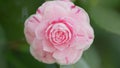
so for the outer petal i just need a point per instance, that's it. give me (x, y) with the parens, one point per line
(39, 54)
(54, 9)
(30, 26)
(40, 30)
(84, 38)
(79, 14)
(90, 36)
(47, 46)
(61, 47)
(68, 56)
(80, 40)
(80, 55)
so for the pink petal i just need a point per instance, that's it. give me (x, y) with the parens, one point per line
(42, 56)
(67, 56)
(79, 41)
(39, 54)
(29, 35)
(47, 46)
(40, 30)
(79, 14)
(52, 10)
(30, 26)
(80, 55)
(40, 34)
(61, 47)
(90, 36)
(83, 38)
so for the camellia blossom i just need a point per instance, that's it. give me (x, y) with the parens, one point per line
(58, 32)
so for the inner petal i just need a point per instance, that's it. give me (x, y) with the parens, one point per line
(58, 33)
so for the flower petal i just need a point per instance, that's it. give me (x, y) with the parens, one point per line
(61, 47)
(47, 46)
(52, 9)
(90, 36)
(79, 14)
(40, 30)
(30, 26)
(83, 38)
(39, 54)
(67, 56)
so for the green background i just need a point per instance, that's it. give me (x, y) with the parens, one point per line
(105, 19)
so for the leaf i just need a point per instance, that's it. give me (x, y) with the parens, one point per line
(109, 3)
(92, 57)
(80, 64)
(2, 45)
(50, 66)
(108, 45)
(14, 62)
(14, 13)
(107, 19)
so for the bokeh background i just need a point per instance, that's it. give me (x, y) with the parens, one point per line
(104, 52)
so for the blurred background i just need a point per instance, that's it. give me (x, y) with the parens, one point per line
(105, 19)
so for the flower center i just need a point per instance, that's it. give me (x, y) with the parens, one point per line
(59, 33)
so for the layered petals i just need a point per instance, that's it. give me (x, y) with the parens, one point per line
(67, 56)
(30, 25)
(59, 32)
(37, 51)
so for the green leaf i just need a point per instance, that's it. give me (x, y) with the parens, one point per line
(92, 57)
(14, 13)
(107, 19)
(109, 3)
(14, 61)
(108, 45)
(80, 64)
(2, 45)
(50, 66)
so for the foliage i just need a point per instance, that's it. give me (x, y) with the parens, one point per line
(105, 19)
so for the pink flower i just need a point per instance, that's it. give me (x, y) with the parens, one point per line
(58, 32)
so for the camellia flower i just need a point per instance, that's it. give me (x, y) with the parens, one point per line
(58, 32)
